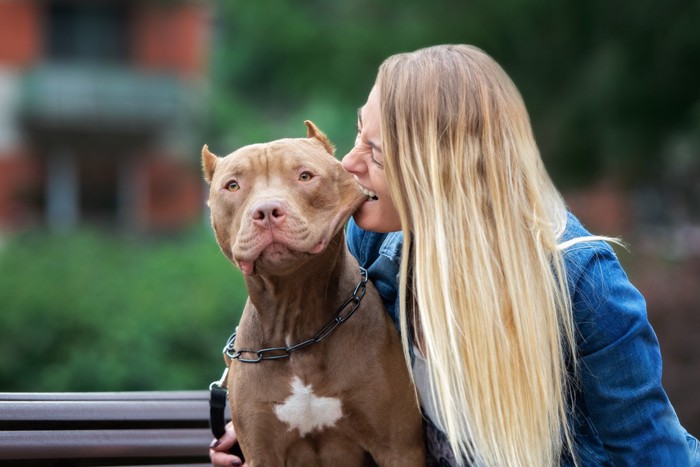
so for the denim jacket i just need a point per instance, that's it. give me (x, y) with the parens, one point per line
(622, 415)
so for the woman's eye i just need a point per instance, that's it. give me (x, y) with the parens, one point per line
(377, 163)
(305, 176)
(232, 186)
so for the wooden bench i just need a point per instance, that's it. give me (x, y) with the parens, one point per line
(119, 428)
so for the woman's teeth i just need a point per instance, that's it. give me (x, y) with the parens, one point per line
(372, 195)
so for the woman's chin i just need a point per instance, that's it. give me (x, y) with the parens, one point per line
(370, 217)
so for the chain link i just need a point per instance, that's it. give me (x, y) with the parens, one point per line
(276, 353)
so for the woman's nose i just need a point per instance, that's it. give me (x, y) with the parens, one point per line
(351, 162)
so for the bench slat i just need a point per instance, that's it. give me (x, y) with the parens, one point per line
(104, 410)
(106, 396)
(127, 428)
(97, 444)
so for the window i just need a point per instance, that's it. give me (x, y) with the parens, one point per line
(87, 31)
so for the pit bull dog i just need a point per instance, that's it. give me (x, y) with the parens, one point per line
(317, 376)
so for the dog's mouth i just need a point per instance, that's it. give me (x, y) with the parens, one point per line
(271, 254)
(277, 253)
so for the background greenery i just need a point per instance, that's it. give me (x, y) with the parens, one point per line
(613, 93)
(94, 311)
(610, 86)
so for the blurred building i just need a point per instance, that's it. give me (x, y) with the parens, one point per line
(98, 104)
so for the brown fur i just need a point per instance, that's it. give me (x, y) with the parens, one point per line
(298, 271)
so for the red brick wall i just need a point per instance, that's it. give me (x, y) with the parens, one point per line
(603, 208)
(167, 37)
(20, 185)
(175, 196)
(20, 32)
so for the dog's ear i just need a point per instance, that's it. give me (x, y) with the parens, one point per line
(208, 163)
(312, 131)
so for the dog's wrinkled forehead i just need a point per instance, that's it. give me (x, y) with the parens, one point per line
(277, 158)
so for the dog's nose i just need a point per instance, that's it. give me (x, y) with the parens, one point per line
(269, 213)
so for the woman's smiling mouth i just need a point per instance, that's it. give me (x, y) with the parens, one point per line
(369, 193)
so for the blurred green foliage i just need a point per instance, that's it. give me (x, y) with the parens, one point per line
(94, 311)
(611, 87)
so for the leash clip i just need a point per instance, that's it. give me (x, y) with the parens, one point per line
(222, 382)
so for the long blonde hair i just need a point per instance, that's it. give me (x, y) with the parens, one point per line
(481, 220)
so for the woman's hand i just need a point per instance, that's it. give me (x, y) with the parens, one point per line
(218, 450)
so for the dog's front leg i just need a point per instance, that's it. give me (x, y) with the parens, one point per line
(405, 456)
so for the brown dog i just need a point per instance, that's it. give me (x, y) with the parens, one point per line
(331, 389)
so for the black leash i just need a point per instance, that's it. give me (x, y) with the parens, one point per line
(218, 392)
(218, 398)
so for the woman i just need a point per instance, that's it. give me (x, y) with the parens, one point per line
(529, 346)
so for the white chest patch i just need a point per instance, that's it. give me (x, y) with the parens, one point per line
(306, 411)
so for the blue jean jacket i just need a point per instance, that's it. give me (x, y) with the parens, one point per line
(622, 415)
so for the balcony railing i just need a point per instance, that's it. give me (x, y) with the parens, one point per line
(58, 95)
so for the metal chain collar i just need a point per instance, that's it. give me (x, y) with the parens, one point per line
(274, 353)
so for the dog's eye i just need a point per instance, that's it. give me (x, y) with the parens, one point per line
(305, 176)
(232, 186)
